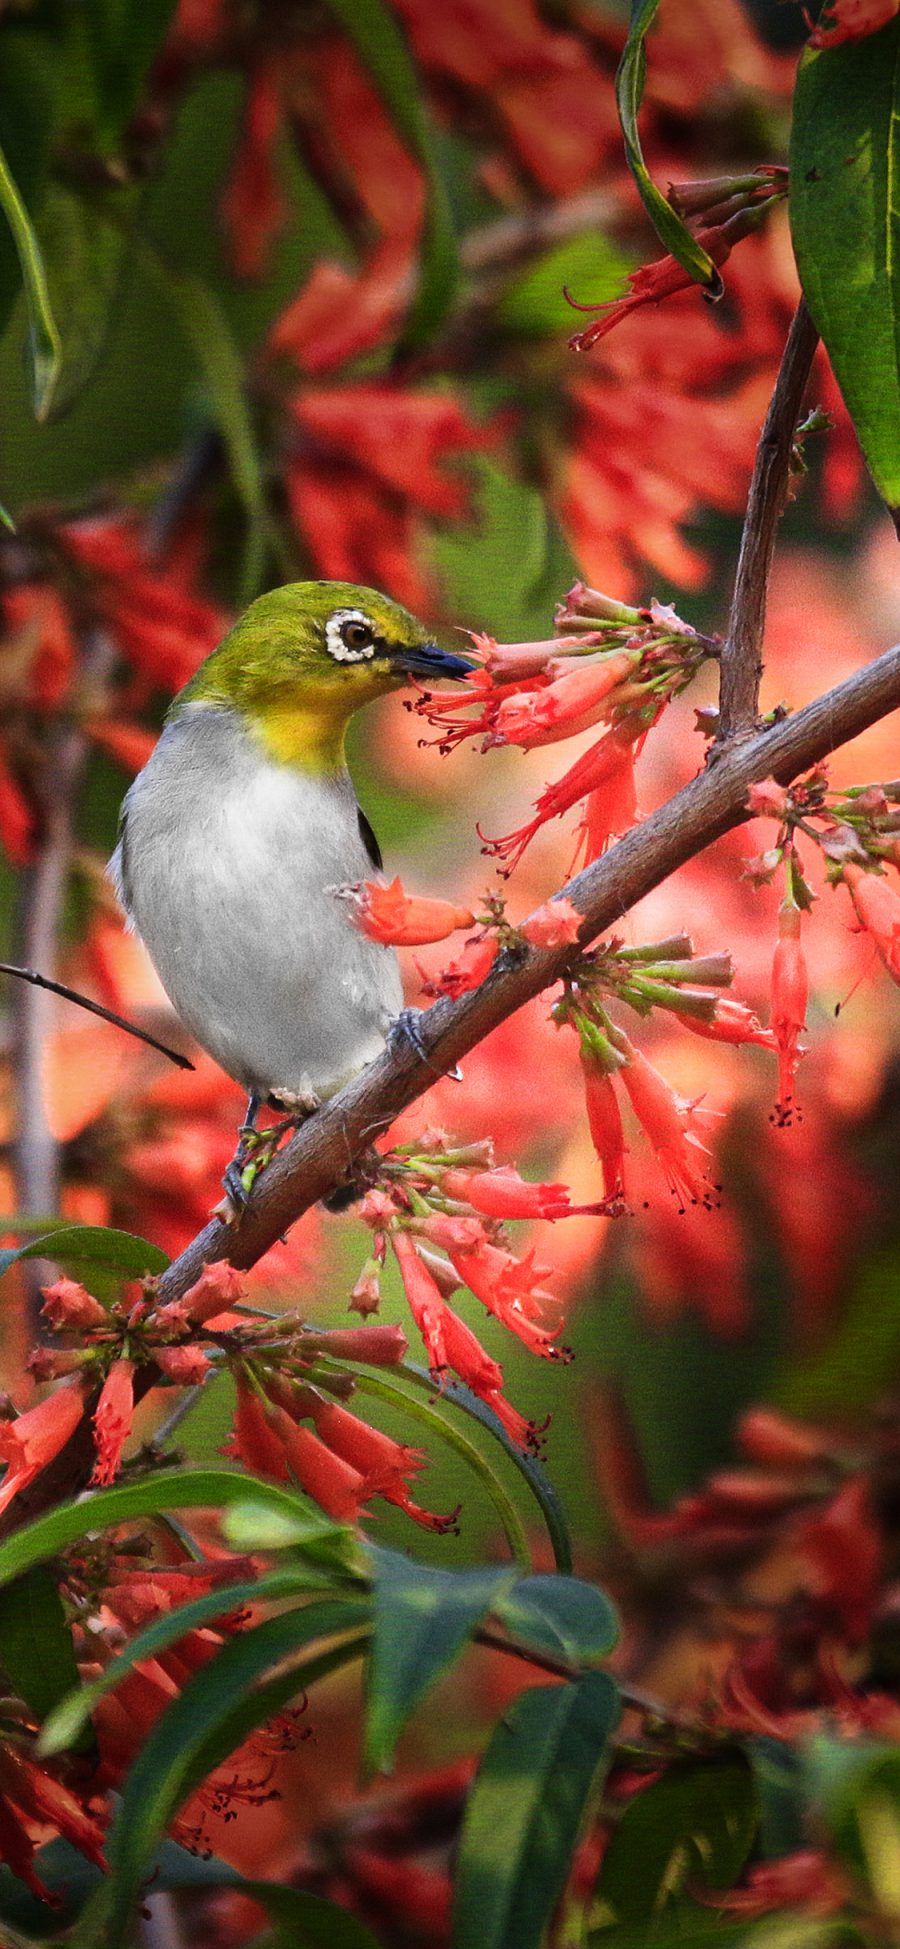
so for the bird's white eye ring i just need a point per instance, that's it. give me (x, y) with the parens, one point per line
(350, 636)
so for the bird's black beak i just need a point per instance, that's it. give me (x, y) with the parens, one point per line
(429, 660)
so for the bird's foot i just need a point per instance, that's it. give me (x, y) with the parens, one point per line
(256, 1148)
(405, 1029)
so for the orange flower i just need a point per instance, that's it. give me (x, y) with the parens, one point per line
(31, 1796)
(599, 1063)
(572, 703)
(607, 766)
(34, 1438)
(68, 1306)
(502, 1193)
(450, 1343)
(252, 205)
(554, 924)
(400, 919)
(877, 907)
(790, 994)
(670, 1124)
(467, 971)
(112, 1420)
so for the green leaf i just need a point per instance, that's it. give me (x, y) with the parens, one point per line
(560, 1615)
(383, 51)
(44, 340)
(423, 1619)
(86, 259)
(89, 1249)
(534, 304)
(629, 93)
(525, 1811)
(119, 43)
(73, 1712)
(216, 1709)
(220, 362)
(696, 1823)
(302, 1921)
(36, 1642)
(174, 1489)
(30, 68)
(845, 154)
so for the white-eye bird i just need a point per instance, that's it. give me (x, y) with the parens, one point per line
(242, 823)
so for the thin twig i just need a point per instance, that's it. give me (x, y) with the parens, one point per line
(96, 1008)
(326, 1147)
(741, 664)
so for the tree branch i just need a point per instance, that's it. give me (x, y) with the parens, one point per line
(741, 662)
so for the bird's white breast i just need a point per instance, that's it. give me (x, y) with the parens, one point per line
(226, 866)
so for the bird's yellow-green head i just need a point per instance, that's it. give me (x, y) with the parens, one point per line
(303, 658)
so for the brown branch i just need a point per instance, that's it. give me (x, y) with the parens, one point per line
(741, 664)
(326, 1148)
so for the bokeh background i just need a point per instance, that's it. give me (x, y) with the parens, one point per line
(232, 219)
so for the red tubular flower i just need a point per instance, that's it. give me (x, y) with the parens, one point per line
(31, 1795)
(779, 1442)
(400, 919)
(572, 703)
(183, 1366)
(790, 994)
(34, 1438)
(333, 1483)
(851, 20)
(17, 820)
(451, 1343)
(253, 1440)
(112, 1420)
(806, 1878)
(844, 1548)
(385, 1464)
(663, 278)
(670, 1125)
(375, 1346)
(252, 205)
(733, 1021)
(508, 1287)
(69, 1306)
(555, 924)
(215, 1292)
(467, 971)
(502, 1193)
(606, 764)
(603, 1114)
(877, 907)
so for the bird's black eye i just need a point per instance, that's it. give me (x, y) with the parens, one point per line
(357, 636)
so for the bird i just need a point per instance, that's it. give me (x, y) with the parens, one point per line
(241, 828)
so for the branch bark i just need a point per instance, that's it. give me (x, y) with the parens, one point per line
(741, 663)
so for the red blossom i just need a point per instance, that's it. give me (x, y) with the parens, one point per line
(252, 205)
(670, 1123)
(851, 20)
(395, 917)
(337, 1487)
(790, 995)
(844, 1549)
(34, 1438)
(451, 1343)
(502, 1193)
(113, 1416)
(877, 906)
(606, 770)
(554, 924)
(184, 1366)
(806, 1878)
(661, 279)
(604, 1116)
(467, 971)
(69, 1306)
(572, 703)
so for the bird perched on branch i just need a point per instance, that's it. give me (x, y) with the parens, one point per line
(241, 825)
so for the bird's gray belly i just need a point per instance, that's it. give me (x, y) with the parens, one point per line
(228, 864)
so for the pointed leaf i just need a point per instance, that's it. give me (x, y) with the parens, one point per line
(43, 336)
(525, 1812)
(694, 1824)
(560, 1615)
(36, 1650)
(629, 93)
(303, 1921)
(423, 1619)
(86, 260)
(845, 155)
(383, 51)
(87, 1249)
(175, 1489)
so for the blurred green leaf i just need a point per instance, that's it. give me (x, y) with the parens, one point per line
(85, 1249)
(845, 1780)
(222, 367)
(383, 51)
(44, 340)
(118, 42)
(423, 1620)
(695, 1823)
(525, 1811)
(190, 1738)
(860, 1359)
(29, 63)
(36, 1641)
(303, 1921)
(85, 258)
(845, 154)
(629, 93)
(561, 1616)
(535, 303)
(506, 571)
(210, 1488)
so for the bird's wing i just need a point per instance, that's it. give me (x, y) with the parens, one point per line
(369, 840)
(118, 865)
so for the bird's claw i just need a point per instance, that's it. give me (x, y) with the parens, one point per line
(405, 1029)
